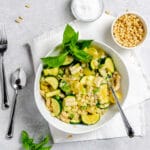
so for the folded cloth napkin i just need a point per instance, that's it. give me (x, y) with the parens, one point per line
(138, 92)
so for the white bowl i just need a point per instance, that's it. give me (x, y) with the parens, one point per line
(78, 129)
(144, 25)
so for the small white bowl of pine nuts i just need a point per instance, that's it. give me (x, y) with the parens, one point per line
(129, 30)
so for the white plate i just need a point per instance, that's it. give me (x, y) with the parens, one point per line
(78, 129)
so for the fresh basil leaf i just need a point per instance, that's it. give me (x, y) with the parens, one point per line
(81, 44)
(26, 146)
(42, 143)
(28, 143)
(46, 148)
(74, 39)
(54, 61)
(70, 44)
(24, 136)
(80, 55)
(69, 33)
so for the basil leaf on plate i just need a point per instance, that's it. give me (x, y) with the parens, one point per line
(54, 61)
(80, 55)
(69, 36)
(75, 39)
(81, 44)
(70, 45)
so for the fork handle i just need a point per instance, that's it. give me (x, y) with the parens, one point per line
(5, 104)
(129, 129)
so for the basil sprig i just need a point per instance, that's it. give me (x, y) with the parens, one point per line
(72, 46)
(29, 144)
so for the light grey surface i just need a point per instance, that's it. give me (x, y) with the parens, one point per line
(42, 16)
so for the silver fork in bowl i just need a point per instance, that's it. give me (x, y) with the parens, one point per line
(129, 129)
(3, 48)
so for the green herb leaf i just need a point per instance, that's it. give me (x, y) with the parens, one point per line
(79, 54)
(42, 143)
(98, 104)
(54, 61)
(81, 44)
(75, 38)
(70, 45)
(26, 146)
(24, 136)
(45, 148)
(69, 35)
(83, 107)
(95, 90)
(65, 87)
(28, 143)
(71, 116)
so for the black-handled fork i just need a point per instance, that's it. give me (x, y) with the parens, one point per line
(3, 48)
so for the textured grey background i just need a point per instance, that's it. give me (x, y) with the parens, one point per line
(42, 16)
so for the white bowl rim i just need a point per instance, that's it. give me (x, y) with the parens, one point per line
(144, 24)
(91, 129)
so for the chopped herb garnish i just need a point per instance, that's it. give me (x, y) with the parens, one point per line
(29, 144)
(95, 90)
(83, 107)
(98, 104)
(71, 116)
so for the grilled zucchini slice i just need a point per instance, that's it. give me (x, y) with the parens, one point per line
(87, 80)
(109, 65)
(75, 121)
(107, 68)
(104, 106)
(56, 106)
(69, 101)
(94, 64)
(52, 72)
(65, 87)
(103, 94)
(53, 93)
(52, 81)
(69, 59)
(90, 119)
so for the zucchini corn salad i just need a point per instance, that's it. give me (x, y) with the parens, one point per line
(77, 92)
